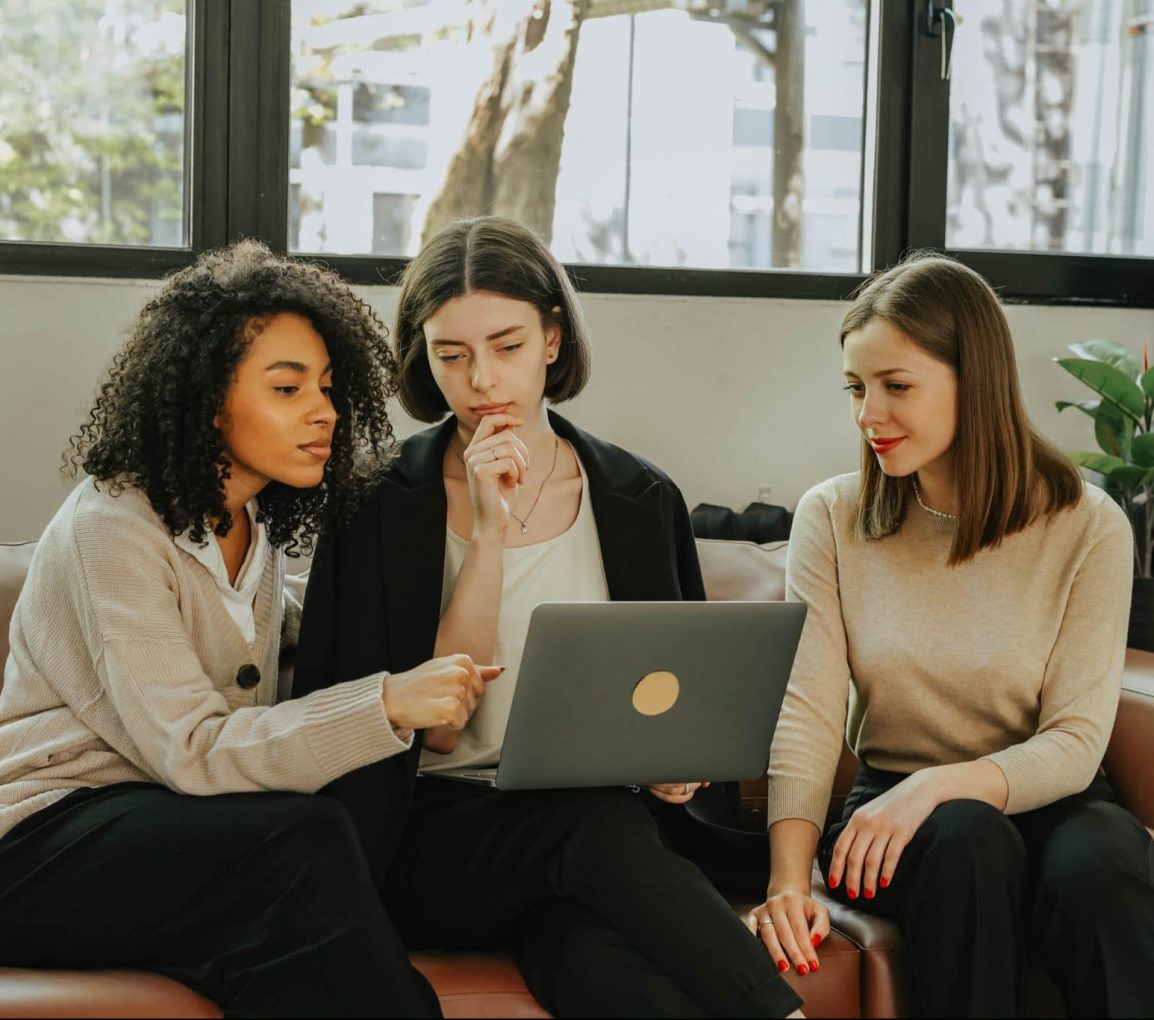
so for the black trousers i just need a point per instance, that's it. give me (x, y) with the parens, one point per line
(975, 888)
(260, 901)
(603, 918)
(706, 831)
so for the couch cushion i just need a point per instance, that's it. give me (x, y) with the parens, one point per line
(80, 993)
(742, 571)
(836, 989)
(1129, 763)
(14, 561)
(477, 984)
(884, 981)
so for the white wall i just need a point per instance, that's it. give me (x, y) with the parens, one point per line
(728, 395)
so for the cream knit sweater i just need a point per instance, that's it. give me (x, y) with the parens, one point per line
(123, 667)
(1015, 656)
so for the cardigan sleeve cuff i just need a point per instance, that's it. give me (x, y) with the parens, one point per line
(1028, 780)
(1031, 781)
(347, 726)
(790, 797)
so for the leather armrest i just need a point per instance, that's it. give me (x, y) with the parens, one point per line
(1129, 761)
(96, 993)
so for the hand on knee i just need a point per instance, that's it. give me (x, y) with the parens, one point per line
(867, 852)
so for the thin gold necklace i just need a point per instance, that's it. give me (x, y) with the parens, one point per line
(524, 521)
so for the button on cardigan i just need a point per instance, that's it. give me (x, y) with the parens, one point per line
(123, 667)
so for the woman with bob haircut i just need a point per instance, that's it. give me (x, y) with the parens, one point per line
(155, 782)
(504, 505)
(967, 598)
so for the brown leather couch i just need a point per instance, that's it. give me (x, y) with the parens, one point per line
(861, 963)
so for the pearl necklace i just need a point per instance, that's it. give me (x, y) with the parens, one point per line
(930, 509)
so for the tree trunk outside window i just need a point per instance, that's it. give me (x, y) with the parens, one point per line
(510, 157)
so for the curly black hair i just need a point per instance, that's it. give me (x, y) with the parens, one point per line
(151, 425)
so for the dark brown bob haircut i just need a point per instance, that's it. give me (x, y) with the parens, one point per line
(1008, 474)
(492, 254)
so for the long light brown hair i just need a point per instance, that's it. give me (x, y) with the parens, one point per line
(1007, 474)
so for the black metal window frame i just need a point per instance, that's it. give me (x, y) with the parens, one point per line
(238, 123)
(206, 168)
(1020, 276)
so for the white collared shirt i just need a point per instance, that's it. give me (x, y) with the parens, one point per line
(238, 598)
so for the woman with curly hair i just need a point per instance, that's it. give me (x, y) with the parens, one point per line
(155, 807)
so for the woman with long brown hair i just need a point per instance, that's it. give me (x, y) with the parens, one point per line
(967, 599)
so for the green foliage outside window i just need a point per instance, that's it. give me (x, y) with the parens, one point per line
(92, 121)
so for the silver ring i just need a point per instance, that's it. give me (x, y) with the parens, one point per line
(493, 451)
(685, 790)
(764, 923)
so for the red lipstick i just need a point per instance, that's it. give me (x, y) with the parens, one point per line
(883, 446)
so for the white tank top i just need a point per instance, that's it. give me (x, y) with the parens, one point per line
(566, 568)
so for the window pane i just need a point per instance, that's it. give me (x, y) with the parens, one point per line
(92, 122)
(1052, 126)
(628, 132)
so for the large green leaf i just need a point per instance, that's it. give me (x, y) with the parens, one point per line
(1128, 477)
(1085, 406)
(1147, 382)
(1109, 353)
(1103, 463)
(1113, 430)
(1142, 450)
(1110, 382)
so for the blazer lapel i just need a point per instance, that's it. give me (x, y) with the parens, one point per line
(412, 513)
(627, 505)
(633, 550)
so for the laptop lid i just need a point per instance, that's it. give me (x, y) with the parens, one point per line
(611, 693)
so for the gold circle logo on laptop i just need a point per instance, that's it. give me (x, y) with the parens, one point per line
(656, 692)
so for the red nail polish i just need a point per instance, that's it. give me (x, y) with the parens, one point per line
(802, 968)
(832, 882)
(814, 967)
(782, 966)
(884, 883)
(816, 940)
(869, 894)
(851, 894)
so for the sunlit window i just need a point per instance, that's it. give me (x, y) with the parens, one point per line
(626, 132)
(92, 122)
(1052, 127)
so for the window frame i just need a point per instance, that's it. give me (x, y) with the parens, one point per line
(1019, 276)
(208, 37)
(239, 77)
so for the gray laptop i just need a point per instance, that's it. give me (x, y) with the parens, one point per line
(615, 693)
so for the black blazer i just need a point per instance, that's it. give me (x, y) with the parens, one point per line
(374, 595)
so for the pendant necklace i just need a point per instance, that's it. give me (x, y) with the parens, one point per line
(524, 521)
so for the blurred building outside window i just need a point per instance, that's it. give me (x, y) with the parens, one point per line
(626, 132)
(1052, 126)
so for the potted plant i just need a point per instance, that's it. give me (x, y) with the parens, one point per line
(1122, 416)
